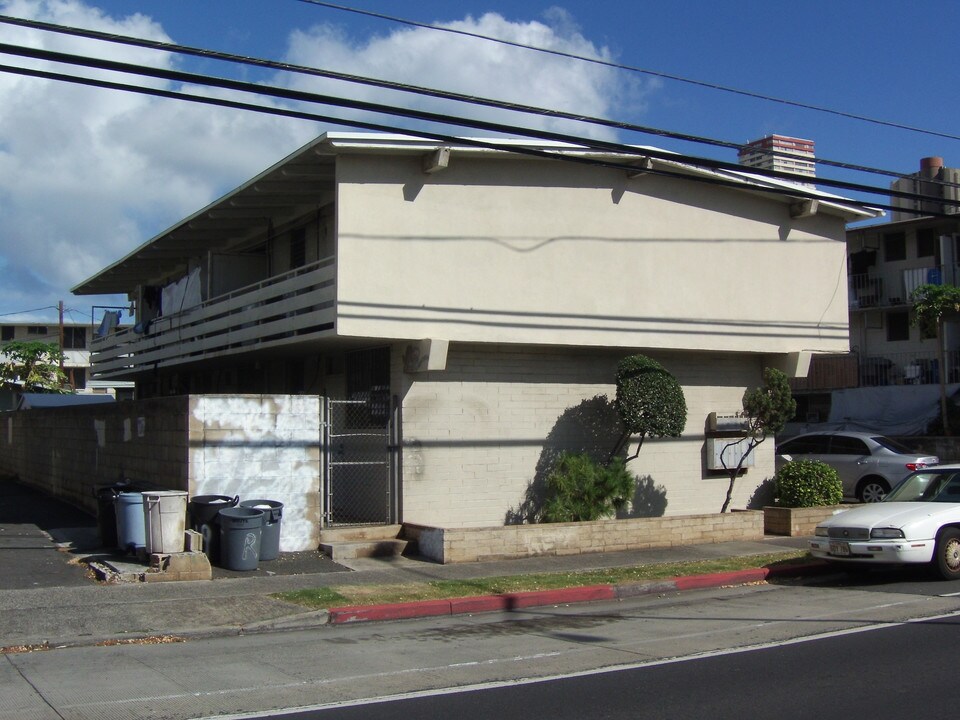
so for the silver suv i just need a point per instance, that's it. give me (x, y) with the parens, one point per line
(868, 464)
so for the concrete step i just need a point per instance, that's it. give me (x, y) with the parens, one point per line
(361, 532)
(339, 550)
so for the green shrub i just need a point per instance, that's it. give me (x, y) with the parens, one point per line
(579, 488)
(650, 400)
(808, 483)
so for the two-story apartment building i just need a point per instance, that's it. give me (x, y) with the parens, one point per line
(477, 300)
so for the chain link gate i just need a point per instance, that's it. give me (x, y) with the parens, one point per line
(360, 478)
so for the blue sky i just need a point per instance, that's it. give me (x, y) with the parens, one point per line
(87, 175)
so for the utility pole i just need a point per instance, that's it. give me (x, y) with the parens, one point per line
(60, 308)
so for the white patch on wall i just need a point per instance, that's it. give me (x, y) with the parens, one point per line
(263, 448)
(141, 427)
(127, 430)
(100, 428)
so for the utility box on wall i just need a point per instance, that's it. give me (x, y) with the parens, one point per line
(729, 449)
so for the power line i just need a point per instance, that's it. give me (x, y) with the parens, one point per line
(408, 88)
(448, 138)
(631, 68)
(303, 96)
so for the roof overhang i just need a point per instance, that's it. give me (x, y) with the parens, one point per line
(306, 180)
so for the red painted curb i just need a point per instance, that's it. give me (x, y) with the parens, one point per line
(537, 598)
(736, 577)
(541, 598)
(393, 611)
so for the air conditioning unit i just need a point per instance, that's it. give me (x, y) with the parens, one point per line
(729, 450)
(727, 423)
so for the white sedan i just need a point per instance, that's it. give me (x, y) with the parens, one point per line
(917, 522)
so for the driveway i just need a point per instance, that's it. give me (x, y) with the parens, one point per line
(38, 538)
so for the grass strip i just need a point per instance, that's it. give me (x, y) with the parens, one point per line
(337, 595)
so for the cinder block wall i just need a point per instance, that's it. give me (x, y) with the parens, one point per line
(479, 434)
(448, 545)
(254, 446)
(261, 447)
(69, 451)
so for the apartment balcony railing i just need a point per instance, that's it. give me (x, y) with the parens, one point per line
(889, 288)
(850, 370)
(285, 309)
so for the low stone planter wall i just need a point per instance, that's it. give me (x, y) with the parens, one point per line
(797, 522)
(450, 545)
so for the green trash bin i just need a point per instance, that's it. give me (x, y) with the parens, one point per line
(241, 529)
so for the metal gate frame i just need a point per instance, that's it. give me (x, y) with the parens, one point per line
(349, 474)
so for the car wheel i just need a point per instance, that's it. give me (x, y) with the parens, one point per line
(872, 490)
(948, 554)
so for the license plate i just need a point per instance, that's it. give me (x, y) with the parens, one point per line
(839, 548)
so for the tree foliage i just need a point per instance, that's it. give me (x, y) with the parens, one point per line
(34, 366)
(766, 410)
(932, 304)
(650, 401)
(580, 489)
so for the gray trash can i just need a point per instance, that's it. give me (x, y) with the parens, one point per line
(204, 512)
(240, 533)
(131, 531)
(270, 536)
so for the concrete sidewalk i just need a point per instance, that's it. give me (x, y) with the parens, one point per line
(49, 598)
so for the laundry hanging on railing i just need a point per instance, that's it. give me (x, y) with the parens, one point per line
(111, 318)
(182, 294)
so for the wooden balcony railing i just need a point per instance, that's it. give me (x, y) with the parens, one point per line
(293, 307)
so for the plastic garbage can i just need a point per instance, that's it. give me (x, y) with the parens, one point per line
(270, 535)
(165, 519)
(205, 519)
(131, 533)
(240, 533)
(107, 512)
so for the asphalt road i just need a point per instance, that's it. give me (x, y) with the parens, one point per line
(901, 671)
(635, 644)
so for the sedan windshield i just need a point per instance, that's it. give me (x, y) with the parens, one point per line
(927, 487)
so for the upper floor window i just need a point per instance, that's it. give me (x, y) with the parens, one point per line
(37, 330)
(74, 338)
(926, 242)
(898, 325)
(7, 333)
(894, 246)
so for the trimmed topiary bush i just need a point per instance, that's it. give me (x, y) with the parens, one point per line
(579, 488)
(808, 483)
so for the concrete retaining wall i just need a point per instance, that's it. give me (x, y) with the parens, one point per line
(797, 522)
(449, 545)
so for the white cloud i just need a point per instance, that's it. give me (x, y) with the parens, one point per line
(460, 63)
(86, 175)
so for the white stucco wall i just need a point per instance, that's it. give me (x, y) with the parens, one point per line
(261, 447)
(536, 252)
(475, 434)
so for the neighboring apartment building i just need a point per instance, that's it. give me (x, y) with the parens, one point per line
(76, 340)
(485, 298)
(782, 153)
(886, 262)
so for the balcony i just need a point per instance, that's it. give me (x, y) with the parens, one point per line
(838, 372)
(291, 308)
(890, 288)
